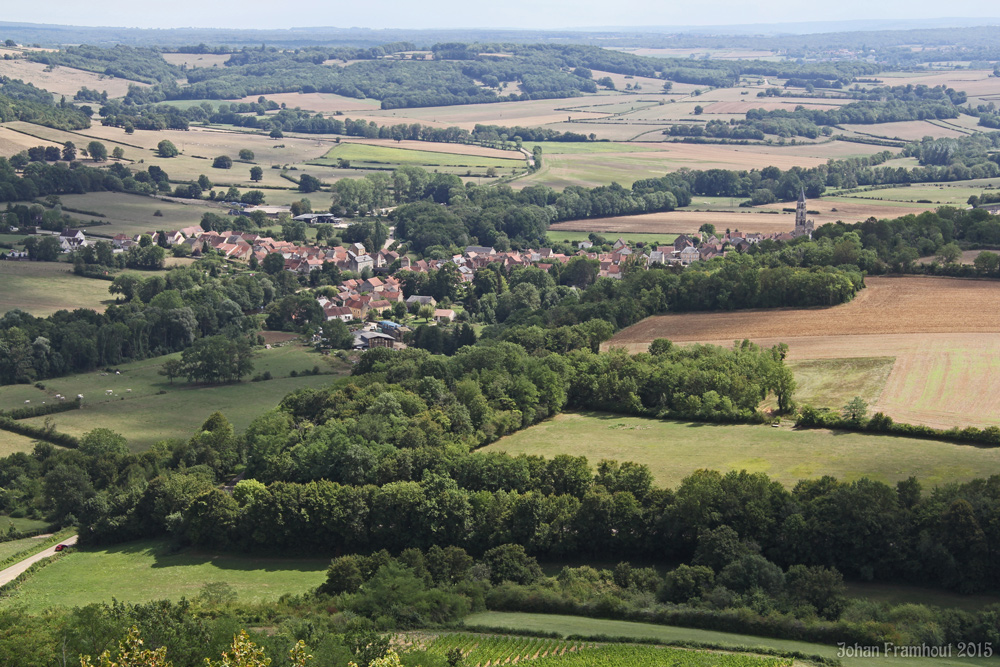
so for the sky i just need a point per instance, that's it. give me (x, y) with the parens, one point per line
(543, 14)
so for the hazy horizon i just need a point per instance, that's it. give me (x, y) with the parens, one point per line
(445, 14)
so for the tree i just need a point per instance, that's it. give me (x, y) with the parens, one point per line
(166, 149)
(246, 155)
(131, 654)
(274, 263)
(698, 110)
(987, 263)
(256, 173)
(69, 151)
(172, 368)
(97, 151)
(426, 312)
(856, 410)
(309, 183)
(949, 253)
(276, 134)
(223, 162)
(218, 359)
(118, 153)
(708, 229)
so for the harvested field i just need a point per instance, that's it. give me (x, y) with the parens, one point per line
(787, 105)
(438, 147)
(941, 331)
(64, 80)
(850, 209)
(198, 60)
(913, 130)
(968, 257)
(680, 222)
(319, 102)
(12, 143)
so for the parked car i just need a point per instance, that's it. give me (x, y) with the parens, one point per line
(61, 547)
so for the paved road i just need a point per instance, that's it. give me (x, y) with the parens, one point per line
(12, 572)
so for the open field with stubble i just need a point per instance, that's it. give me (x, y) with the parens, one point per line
(673, 450)
(942, 333)
(151, 570)
(42, 288)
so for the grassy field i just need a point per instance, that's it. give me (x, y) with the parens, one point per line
(673, 450)
(143, 571)
(632, 239)
(11, 443)
(8, 549)
(42, 288)
(134, 214)
(145, 416)
(21, 524)
(831, 383)
(389, 155)
(568, 625)
(941, 332)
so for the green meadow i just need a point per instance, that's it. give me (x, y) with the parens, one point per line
(673, 450)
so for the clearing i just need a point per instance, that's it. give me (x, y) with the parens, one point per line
(156, 410)
(42, 288)
(673, 450)
(941, 332)
(148, 570)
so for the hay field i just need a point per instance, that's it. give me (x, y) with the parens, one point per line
(851, 209)
(438, 147)
(64, 80)
(13, 142)
(769, 104)
(42, 288)
(976, 83)
(942, 333)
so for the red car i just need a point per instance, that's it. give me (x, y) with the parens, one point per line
(60, 547)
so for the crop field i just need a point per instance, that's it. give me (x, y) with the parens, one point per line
(673, 450)
(135, 214)
(941, 332)
(978, 84)
(12, 143)
(788, 104)
(42, 288)
(138, 410)
(149, 570)
(364, 153)
(64, 80)
(951, 194)
(461, 150)
(853, 209)
(578, 625)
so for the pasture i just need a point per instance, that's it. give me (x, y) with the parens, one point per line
(578, 625)
(12, 443)
(631, 239)
(673, 450)
(130, 214)
(386, 156)
(42, 288)
(941, 332)
(151, 570)
(157, 410)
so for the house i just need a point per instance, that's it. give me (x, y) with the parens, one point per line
(269, 211)
(371, 285)
(421, 300)
(480, 250)
(358, 308)
(359, 263)
(338, 313)
(71, 239)
(619, 244)
(444, 315)
(683, 241)
(584, 245)
(366, 340)
(119, 239)
(689, 254)
(992, 209)
(192, 232)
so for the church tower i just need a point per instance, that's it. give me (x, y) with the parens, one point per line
(802, 225)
